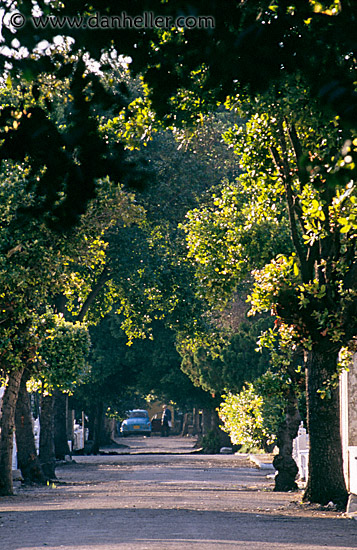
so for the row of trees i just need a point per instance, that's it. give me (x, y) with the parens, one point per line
(117, 258)
(286, 229)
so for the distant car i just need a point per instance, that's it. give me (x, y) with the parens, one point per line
(138, 422)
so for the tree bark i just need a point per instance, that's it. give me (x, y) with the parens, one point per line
(207, 421)
(102, 280)
(108, 431)
(7, 431)
(28, 461)
(98, 426)
(326, 481)
(60, 425)
(196, 421)
(47, 445)
(213, 438)
(225, 440)
(186, 422)
(284, 462)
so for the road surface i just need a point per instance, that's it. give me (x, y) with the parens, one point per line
(139, 500)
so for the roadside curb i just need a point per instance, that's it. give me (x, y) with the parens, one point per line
(261, 462)
(159, 452)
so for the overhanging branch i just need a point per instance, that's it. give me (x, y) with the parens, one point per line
(282, 169)
(102, 280)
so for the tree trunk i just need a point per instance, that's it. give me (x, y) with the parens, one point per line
(108, 431)
(7, 431)
(214, 438)
(90, 423)
(47, 445)
(326, 481)
(196, 422)
(284, 462)
(98, 424)
(187, 419)
(70, 423)
(207, 421)
(60, 425)
(28, 461)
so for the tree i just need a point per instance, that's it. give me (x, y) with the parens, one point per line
(29, 265)
(35, 269)
(122, 377)
(161, 373)
(144, 261)
(37, 265)
(63, 355)
(188, 70)
(231, 363)
(295, 172)
(61, 359)
(251, 418)
(322, 313)
(110, 385)
(35, 259)
(246, 45)
(286, 362)
(99, 284)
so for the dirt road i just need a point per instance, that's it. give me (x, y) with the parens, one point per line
(166, 502)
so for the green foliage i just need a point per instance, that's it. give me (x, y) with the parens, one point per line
(228, 367)
(123, 376)
(184, 70)
(108, 379)
(298, 192)
(63, 355)
(299, 165)
(30, 269)
(150, 278)
(228, 237)
(53, 123)
(36, 263)
(135, 124)
(252, 417)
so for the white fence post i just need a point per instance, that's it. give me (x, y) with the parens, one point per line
(301, 452)
(14, 454)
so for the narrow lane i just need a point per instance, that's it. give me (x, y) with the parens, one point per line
(166, 502)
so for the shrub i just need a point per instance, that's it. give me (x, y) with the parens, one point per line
(252, 417)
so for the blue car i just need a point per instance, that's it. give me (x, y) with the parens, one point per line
(138, 422)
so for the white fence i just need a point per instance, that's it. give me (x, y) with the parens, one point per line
(301, 452)
(80, 435)
(352, 454)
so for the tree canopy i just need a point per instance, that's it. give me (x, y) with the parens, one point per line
(287, 71)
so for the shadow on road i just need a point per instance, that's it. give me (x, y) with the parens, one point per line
(162, 496)
(163, 529)
(152, 445)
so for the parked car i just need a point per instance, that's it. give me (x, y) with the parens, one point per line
(138, 422)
